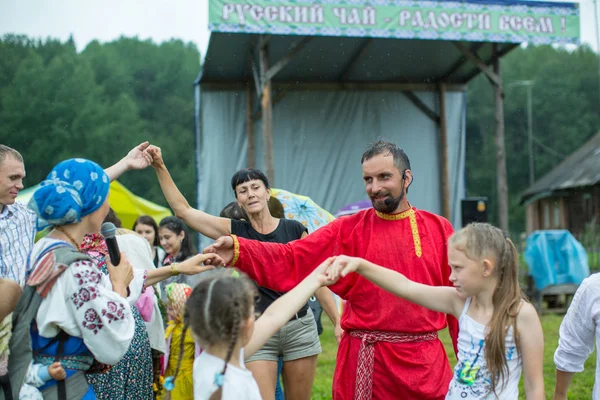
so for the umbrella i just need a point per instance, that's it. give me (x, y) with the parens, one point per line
(302, 209)
(353, 208)
(126, 205)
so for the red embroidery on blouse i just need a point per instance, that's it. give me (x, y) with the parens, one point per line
(92, 321)
(87, 277)
(84, 295)
(113, 312)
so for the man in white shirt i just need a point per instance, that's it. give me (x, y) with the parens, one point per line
(18, 223)
(579, 332)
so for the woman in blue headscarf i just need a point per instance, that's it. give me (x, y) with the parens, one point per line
(80, 303)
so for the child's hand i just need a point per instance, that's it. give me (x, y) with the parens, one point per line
(320, 273)
(57, 372)
(342, 266)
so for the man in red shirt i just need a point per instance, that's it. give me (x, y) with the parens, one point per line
(390, 348)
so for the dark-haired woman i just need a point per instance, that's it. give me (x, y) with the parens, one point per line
(298, 341)
(146, 226)
(178, 245)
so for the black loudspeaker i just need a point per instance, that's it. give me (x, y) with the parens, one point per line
(474, 209)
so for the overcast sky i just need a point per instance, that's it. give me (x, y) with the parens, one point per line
(159, 20)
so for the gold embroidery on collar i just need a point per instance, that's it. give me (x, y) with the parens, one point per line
(394, 217)
(413, 226)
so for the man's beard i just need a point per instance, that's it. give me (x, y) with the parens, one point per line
(382, 207)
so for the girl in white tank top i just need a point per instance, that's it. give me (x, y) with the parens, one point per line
(471, 375)
(500, 333)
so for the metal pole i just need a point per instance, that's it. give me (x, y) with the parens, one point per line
(597, 43)
(444, 153)
(530, 135)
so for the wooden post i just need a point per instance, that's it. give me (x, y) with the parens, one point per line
(251, 163)
(444, 178)
(267, 112)
(501, 181)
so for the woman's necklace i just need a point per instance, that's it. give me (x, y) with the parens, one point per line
(60, 229)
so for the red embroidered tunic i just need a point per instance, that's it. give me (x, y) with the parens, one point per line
(414, 243)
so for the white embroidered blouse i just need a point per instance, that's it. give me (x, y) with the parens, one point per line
(83, 304)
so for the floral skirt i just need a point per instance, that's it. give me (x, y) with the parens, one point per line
(132, 377)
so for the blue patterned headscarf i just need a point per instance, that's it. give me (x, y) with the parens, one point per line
(73, 189)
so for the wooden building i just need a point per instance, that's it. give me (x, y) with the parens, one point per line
(567, 197)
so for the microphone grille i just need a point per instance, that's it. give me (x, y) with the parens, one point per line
(108, 230)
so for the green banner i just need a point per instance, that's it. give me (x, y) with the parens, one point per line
(542, 23)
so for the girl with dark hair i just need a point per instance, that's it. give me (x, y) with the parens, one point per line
(174, 239)
(177, 244)
(298, 344)
(146, 226)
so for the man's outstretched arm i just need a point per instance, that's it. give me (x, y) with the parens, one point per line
(279, 266)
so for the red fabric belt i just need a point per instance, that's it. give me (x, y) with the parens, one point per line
(366, 355)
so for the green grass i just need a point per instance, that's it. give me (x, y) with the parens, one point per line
(580, 388)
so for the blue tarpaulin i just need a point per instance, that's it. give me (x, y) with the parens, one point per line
(555, 257)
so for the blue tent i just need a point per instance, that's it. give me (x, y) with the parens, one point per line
(555, 257)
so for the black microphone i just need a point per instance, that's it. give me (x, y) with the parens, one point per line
(389, 200)
(108, 230)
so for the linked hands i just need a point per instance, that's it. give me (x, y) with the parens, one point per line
(138, 157)
(342, 266)
(199, 263)
(143, 156)
(223, 248)
(327, 273)
(156, 159)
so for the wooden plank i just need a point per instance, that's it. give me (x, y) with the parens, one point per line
(492, 75)
(559, 289)
(355, 57)
(267, 116)
(276, 99)
(531, 217)
(461, 62)
(445, 177)
(251, 162)
(339, 86)
(501, 182)
(255, 76)
(263, 41)
(281, 64)
(422, 106)
(499, 54)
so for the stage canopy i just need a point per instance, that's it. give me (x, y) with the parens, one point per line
(319, 80)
